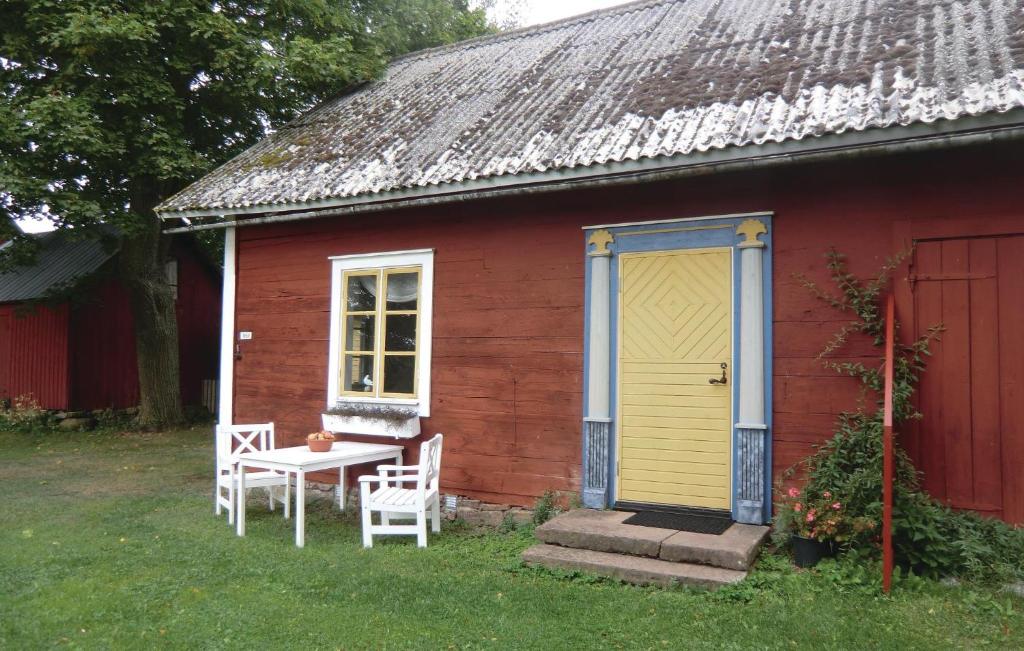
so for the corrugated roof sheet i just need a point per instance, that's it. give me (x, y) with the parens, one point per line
(646, 80)
(61, 260)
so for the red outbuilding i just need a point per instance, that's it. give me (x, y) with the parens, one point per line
(66, 327)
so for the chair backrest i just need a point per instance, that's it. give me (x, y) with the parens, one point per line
(430, 463)
(233, 440)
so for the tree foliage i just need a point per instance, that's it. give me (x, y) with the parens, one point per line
(101, 95)
(110, 106)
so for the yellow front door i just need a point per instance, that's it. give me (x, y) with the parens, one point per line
(675, 332)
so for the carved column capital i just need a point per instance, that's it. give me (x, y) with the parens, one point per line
(749, 229)
(600, 240)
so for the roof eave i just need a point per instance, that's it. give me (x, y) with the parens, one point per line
(939, 132)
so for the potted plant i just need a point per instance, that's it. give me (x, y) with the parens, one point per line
(320, 441)
(817, 524)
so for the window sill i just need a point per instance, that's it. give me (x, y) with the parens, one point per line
(405, 428)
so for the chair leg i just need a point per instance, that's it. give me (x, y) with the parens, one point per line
(435, 516)
(421, 528)
(364, 503)
(385, 519)
(270, 496)
(231, 501)
(216, 499)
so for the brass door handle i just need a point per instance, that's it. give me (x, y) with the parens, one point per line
(721, 380)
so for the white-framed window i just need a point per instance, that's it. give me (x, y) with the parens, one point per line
(380, 336)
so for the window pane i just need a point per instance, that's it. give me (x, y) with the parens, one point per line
(362, 293)
(359, 331)
(358, 375)
(403, 290)
(400, 335)
(398, 373)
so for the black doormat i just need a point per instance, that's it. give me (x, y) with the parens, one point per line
(694, 522)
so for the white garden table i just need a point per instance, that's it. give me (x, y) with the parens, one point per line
(299, 460)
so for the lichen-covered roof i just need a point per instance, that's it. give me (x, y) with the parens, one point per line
(60, 262)
(652, 79)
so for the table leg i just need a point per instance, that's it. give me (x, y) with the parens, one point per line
(240, 516)
(300, 508)
(287, 495)
(342, 497)
(398, 462)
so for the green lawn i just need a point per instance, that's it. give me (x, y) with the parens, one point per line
(109, 540)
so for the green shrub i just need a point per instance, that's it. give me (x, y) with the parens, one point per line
(25, 415)
(545, 508)
(928, 537)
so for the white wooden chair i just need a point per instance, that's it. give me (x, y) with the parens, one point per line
(233, 440)
(391, 498)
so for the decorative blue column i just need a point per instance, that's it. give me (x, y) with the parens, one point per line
(597, 423)
(751, 506)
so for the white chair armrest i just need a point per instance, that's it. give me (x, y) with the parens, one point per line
(388, 468)
(366, 479)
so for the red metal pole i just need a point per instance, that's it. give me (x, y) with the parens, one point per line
(887, 463)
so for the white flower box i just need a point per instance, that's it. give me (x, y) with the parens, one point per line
(405, 428)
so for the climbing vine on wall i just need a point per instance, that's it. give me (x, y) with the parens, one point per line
(929, 538)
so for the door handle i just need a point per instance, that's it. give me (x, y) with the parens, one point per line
(721, 380)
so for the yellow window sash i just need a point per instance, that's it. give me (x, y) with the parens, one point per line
(380, 314)
(414, 353)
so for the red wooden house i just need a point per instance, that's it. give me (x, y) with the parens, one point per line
(573, 248)
(66, 327)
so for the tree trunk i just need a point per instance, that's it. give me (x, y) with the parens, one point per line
(143, 255)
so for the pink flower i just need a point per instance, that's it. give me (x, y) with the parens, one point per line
(837, 506)
(810, 516)
(794, 492)
(798, 507)
(826, 494)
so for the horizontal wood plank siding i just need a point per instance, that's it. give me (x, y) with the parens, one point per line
(507, 347)
(508, 317)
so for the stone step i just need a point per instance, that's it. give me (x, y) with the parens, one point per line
(638, 570)
(604, 531)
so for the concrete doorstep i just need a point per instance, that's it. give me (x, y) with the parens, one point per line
(604, 531)
(631, 569)
(599, 542)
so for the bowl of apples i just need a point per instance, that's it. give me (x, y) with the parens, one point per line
(320, 441)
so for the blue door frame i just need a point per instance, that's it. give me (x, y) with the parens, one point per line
(751, 448)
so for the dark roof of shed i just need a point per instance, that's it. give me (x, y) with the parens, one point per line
(648, 80)
(61, 260)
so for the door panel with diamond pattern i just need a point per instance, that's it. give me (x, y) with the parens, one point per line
(675, 331)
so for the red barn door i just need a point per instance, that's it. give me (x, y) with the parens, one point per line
(971, 439)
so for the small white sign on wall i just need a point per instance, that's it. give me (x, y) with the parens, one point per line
(245, 335)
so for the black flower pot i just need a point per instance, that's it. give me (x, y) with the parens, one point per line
(807, 552)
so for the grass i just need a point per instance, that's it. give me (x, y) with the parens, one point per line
(109, 540)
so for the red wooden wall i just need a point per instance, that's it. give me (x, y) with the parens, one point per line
(5, 351)
(970, 441)
(507, 371)
(104, 371)
(198, 309)
(84, 357)
(103, 367)
(36, 354)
